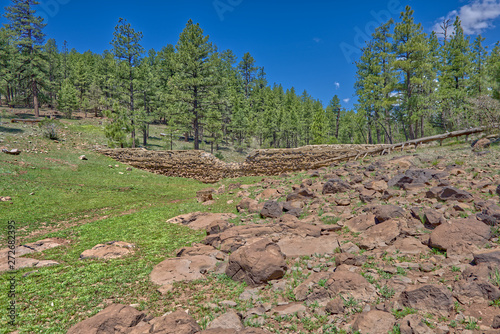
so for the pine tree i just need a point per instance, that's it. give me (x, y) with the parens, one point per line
(454, 78)
(478, 77)
(68, 99)
(333, 117)
(128, 50)
(367, 88)
(194, 83)
(385, 81)
(493, 71)
(411, 50)
(54, 69)
(319, 125)
(27, 33)
(248, 70)
(8, 65)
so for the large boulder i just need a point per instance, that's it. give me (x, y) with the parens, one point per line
(490, 215)
(408, 246)
(374, 322)
(413, 324)
(360, 223)
(335, 186)
(229, 320)
(24, 262)
(200, 220)
(380, 235)
(271, 209)
(345, 283)
(428, 298)
(34, 247)
(109, 250)
(187, 268)
(475, 289)
(178, 322)
(449, 194)
(295, 246)
(465, 231)
(413, 176)
(237, 236)
(385, 212)
(115, 318)
(488, 257)
(481, 144)
(433, 217)
(250, 205)
(257, 263)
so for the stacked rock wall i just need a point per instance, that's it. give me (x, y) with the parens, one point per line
(205, 167)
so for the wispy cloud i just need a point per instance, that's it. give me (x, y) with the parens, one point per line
(317, 39)
(337, 85)
(476, 16)
(346, 100)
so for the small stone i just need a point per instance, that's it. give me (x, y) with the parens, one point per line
(229, 303)
(496, 322)
(426, 267)
(82, 157)
(205, 195)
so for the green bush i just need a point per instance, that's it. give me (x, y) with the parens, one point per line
(50, 128)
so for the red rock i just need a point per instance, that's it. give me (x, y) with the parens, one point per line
(115, 318)
(257, 263)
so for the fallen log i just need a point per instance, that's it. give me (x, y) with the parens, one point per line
(21, 120)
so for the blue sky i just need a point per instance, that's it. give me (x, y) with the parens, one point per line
(309, 45)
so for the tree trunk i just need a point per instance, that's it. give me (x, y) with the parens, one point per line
(131, 77)
(337, 124)
(196, 123)
(35, 97)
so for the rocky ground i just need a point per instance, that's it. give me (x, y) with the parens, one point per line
(400, 244)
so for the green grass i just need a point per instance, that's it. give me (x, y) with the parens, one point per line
(400, 314)
(54, 298)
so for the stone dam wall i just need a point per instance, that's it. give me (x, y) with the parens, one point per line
(205, 167)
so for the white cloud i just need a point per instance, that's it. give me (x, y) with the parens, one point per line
(337, 85)
(346, 100)
(476, 17)
(317, 39)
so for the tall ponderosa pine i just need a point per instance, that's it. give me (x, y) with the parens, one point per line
(478, 75)
(454, 78)
(411, 50)
(8, 65)
(54, 69)
(68, 98)
(248, 71)
(128, 50)
(319, 124)
(194, 82)
(333, 117)
(28, 37)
